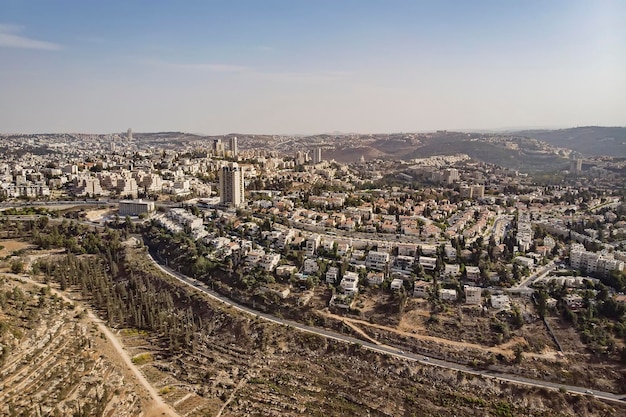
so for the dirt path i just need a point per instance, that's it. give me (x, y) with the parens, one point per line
(157, 407)
(158, 404)
(463, 345)
(360, 332)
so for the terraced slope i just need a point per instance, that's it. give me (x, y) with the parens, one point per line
(53, 361)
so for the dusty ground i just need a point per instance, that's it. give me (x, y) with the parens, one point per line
(55, 362)
(11, 246)
(98, 214)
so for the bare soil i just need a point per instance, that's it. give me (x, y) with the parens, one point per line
(11, 246)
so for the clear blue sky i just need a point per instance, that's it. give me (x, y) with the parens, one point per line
(268, 66)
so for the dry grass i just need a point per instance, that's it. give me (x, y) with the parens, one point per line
(11, 246)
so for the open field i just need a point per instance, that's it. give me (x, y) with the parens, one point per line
(8, 247)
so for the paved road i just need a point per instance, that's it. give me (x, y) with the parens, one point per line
(56, 203)
(540, 273)
(389, 350)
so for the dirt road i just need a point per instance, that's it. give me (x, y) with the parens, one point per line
(157, 407)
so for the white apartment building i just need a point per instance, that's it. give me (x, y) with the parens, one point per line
(396, 284)
(473, 295)
(350, 283)
(310, 266)
(451, 270)
(234, 150)
(312, 243)
(428, 263)
(269, 261)
(421, 289)
(593, 262)
(232, 185)
(377, 260)
(332, 274)
(472, 272)
(447, 294)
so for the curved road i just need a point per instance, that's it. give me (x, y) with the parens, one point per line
(386, 349)
(373, 347)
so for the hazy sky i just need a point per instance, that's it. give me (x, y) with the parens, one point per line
(265, 66)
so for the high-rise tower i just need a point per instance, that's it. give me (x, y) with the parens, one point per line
(575, 166)
(233, 146)
(231, 185)
(317, 155)
(218, 147)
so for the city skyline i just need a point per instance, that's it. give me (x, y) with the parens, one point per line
(282, 68)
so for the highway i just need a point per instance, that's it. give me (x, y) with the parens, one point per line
(389, 350)
(62, 203)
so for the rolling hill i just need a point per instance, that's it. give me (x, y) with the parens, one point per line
(589, 140)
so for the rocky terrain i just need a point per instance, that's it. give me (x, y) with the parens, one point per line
(53, 359)
(224, 364)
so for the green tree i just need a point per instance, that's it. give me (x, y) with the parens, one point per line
(17, 267)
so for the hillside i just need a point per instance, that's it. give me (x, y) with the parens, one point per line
(53, 360)
(589, 141)
(514, 152)
(510, 152)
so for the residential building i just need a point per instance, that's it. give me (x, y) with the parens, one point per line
(421, 289)
(375, 278)
(428, 263)
(332, 274)
(269, 261)
(286, 270)
(232, 185)
(473, 295)
(218, 147)
(447, 294)
(350, 283)
(234, 151)
(472, 273)
(396, 284)
(451, 270)
(524, 261)
(377, 260)
(312, 243)
(310, 266)
(317, 156)
(403, 263)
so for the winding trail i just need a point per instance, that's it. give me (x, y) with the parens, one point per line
(157, 406)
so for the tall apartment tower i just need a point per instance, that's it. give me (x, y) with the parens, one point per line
(233, 146)
(575, 166)
(317, 155)
(218, 147)
(450, 175)
(231, 185)
(129, 134)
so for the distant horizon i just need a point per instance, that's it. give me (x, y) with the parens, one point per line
(285, 66)
(492, 130)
